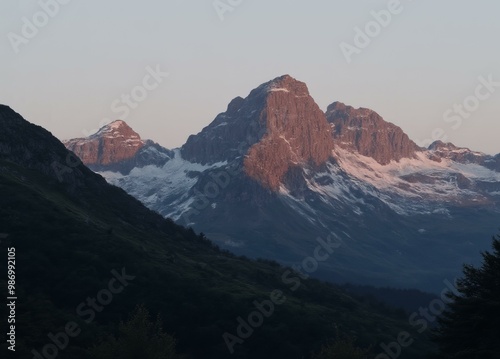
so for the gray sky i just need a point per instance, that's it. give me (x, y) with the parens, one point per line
(65, 70)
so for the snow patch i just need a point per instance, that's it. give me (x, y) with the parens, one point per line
(279, 89)
(164, 189)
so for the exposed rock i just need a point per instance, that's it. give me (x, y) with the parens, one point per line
(462, 155)
(297, 133)
(276, 127)
(364, 131)
(117, 147)
(113, 143)
(231, 134)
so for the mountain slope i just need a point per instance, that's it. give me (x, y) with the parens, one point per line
(71, 230)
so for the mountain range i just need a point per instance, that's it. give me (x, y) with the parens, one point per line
(274, 172)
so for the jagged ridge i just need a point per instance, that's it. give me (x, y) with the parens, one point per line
(364, 131)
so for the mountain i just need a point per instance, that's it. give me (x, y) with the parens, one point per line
(364, 131)
(277, 127)
(273, 173)
(87, 253)
(464, 155)
(116, 147)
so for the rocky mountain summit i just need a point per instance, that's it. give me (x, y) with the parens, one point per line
(364, 131)
(113, 143)
(297, 133)
(464, 155)
(117, 147)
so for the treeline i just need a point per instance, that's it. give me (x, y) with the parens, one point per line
(409, 300)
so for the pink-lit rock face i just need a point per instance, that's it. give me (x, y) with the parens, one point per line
(364, 131)
(113, 143)
(297, 134)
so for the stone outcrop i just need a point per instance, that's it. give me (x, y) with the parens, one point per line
(117, 147)
(297, 133)
(364, 131)
(113, 143)
(276, 127)
(441, 150)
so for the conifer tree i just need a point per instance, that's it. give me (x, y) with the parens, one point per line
(470, 327)
(139, 337)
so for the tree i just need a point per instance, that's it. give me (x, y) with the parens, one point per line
(342, 348)
(139, 337)
(470, 326)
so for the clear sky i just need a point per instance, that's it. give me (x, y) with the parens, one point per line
(79, 60)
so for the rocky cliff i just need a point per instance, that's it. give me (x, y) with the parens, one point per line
(117, 147)
(364, 131)
(278, 126)
(297, 133)
(111, 144)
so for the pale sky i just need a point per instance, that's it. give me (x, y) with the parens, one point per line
(78, 61)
